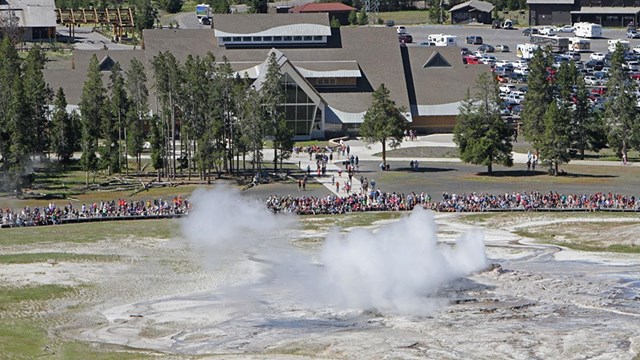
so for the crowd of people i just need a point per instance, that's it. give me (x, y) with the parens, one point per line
(55, 214)
(377, 200)
(373, 200)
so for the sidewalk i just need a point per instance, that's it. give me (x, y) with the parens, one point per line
(366, 152)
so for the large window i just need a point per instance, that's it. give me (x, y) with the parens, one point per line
(300, 111)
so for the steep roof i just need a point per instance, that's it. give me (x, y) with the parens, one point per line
(322, 7)
(271, 24)
(439, 89)
(476, 4)
(32, 13)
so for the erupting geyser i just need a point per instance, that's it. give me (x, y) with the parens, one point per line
(394, 269)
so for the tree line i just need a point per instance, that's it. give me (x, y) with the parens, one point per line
(207, 120)
(558, 118)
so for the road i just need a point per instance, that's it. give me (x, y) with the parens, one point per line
(87, 39)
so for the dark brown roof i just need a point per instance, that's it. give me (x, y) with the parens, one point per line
(322, 7)
(433, 85)
(375, 49)
(255, 23)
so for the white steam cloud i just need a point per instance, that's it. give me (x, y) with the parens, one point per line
(395, 269)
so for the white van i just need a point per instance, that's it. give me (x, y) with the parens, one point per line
(443, 40)
(401, 29)
(526, 51)
(579, 44)
(588, 30)
(612, 44)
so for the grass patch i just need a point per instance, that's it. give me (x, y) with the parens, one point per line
(422, 152)
(615, 248)
(30, 258)
(11, 296)
(408, 17)
(91, 232)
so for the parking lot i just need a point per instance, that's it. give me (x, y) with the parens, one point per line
(506, 37)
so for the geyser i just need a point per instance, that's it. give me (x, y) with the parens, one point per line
(394, 269)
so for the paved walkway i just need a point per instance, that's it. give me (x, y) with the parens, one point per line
(366, 152)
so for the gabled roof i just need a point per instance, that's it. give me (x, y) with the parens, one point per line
(436, 60)
(271, 24)
(475, 4)
(322, 7)
(32, 13)
(106, 63)
(438, 90)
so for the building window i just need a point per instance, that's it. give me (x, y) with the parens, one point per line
(286, 38)
(317, 38)
(246, 38)
(308, 38)
(267, 38)
(237, 38)
(297, 38)
(257, 38)
(277, 38)
(226, 39)
(299, 109)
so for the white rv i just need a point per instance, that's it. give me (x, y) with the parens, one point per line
(579, 44)
(525, 51)
(588, 30)
(613, 43)
(443, 40)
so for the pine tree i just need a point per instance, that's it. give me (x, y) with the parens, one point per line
(556, 144)
(363, 17)
(114, 130)
(157, 148)
(92, 109)
(480, 133)
(9, 71)
(538, 98)
(383, 121)
(588, 130)
(353, 17)
(37, 96)
(621, 112)
(272, 94)
(62, 134)
(21, 137)
(145, 16)
(136, 84)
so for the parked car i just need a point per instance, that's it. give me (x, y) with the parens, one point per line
(636, 49)
(427, 43)
(464, 51)
(530, 31)
(632, 66)
(633, 34)
(474, 40)
(521, 71)
(470, 59)
(405, 38)
(486, 48)
(591, 81)
(502, 48)
(597, 56)
(401, 29)
(519, 63)
(390, 23)
(565, 29)
(573, 55)
(507, 88)
(548, 30)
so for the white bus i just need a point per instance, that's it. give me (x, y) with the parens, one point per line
(588, 30)
(613, 43)
(579, 44)
(525, 51)
(443, 40)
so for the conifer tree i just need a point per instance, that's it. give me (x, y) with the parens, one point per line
(92, 108)
(480, 133)
(621, 112)
(136, 84)
(37, 96)
(63, 136)
(21, 137)
(113, 131)
(556, 144)
(383, 121)
(588, 129)
(538, 98)
(273, 96)
(9, 71)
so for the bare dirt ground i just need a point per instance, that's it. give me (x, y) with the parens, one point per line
(535, 301)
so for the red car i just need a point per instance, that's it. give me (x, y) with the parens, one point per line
(601, 90)
(635, 75)
(470, 60)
